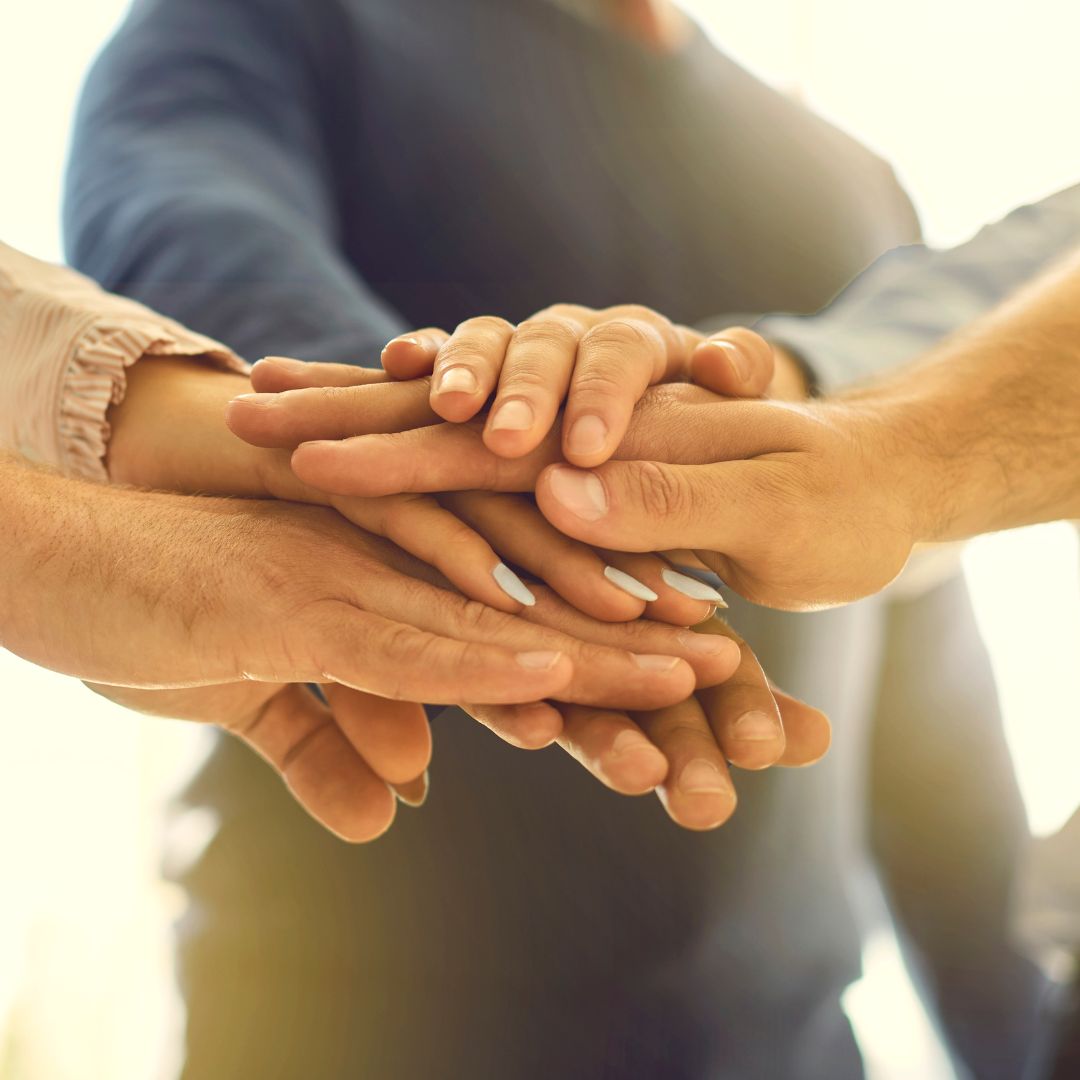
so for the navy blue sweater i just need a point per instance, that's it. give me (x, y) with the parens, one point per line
(311, 177)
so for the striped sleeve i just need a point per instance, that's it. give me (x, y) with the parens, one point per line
(65, 347)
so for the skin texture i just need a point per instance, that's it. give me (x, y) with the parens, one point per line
(620, 753)
(775, 729)
(594, 365)
(831, 496)
(234, 600)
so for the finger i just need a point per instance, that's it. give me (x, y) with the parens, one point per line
(619, 677)
(393, 737)
(412, 355)
(449, 457)
(296, 733)
(742, 710)
(395, 660)
(443, 539)
(522, 536)
(331, 412)
(613, 748)
(650, 506)
(806, 729)
(617, 360)
(453, 457)
(528, 727)
(535, 376)
(467, 367)
(275, 374)
(680, 599)
(698, 792)
(712, 658)
(735, 361)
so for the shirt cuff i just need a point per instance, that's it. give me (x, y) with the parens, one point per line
(96, 378)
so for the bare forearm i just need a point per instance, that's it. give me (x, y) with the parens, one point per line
(988, 425)
(83, 564)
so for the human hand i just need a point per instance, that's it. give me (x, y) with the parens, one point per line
(343, 761)
(681, 752)
(826, 496)
(168, 434)
(592, 364)
(457, 533)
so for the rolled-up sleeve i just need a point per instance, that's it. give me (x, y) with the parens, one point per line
(65, 347)
(915, 296)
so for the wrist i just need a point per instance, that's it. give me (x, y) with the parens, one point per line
(168, 433)
(935, 477)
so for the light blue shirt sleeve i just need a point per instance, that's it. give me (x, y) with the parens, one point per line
(912, 297)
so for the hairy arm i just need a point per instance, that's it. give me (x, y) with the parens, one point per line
(989, 422)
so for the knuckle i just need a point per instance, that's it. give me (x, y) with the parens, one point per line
(476, 617)
(457, 352)
(660, 493)
(525, 375)
(600, 381)
(487, 325)
(621, 333)
(545, 332)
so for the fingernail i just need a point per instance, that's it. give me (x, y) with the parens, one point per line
(513, 416)
(410, 340)
(629, 584)
(630, 742)
(755, 727)
(587, 436)
(414, 793)
(652, 662)
(256, 399)
(688, 586)
(512, 585)
(582, 493)
(458, 380)
(284, 363)
(538, 661)
(738, 357)
(702, 777)
(708, 644)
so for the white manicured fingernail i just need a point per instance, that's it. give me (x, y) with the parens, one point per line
(652, 662)
(513, 416)
(512, 585)
(582, 493)
(587, 436)
(688, 586)
(458, 380)
(415, 793)
(538, 661)
(629, 584)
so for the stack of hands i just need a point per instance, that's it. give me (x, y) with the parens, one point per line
(600, 454)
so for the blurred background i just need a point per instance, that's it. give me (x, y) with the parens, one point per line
(972, 102)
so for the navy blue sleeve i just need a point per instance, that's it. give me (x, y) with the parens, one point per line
(201, 178)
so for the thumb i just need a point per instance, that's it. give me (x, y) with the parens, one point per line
(735, 361)
(643, 505)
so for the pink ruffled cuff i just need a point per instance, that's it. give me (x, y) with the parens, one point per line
(65, 347)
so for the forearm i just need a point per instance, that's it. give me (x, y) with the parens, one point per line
(989, 422)
(912, 298)
(83, 564)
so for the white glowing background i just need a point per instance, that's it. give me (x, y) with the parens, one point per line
(974, 103)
